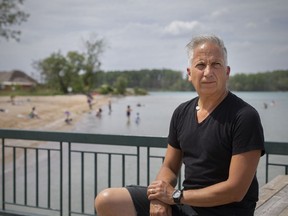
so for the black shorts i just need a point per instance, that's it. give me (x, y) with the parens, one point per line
(142, 204)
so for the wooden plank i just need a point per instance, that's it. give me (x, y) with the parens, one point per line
(273, 199)
(271, 188)
(276, 205)
(284, 212)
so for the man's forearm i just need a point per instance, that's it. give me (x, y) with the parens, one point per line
(167, 175)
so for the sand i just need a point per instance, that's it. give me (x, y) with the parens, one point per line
(50, 109)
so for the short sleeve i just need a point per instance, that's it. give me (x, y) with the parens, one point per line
(247, 132)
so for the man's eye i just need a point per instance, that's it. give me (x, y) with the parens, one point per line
(216, 65)
(200, 66)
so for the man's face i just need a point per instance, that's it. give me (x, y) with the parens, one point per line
(208, 72)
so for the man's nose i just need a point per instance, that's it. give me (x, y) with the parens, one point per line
(208, 71)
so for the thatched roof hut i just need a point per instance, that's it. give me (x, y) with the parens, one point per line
(11, 79)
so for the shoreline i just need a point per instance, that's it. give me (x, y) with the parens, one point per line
(51, 110)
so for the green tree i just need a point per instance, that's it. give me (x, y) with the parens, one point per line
(63, 72)
(76, 71)
(94, 47)
(10, 15)
(121, 84)
(267, 81)
(73, 71)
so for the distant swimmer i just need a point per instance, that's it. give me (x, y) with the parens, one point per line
(99, 113)
(68, 119)
(137, 120)
(128, 111)
(89, 100)
(110, 107)
(272, 103)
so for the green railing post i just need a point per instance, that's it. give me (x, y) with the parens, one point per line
(95, 175)
(25, 177)
(69, 178)
(61, 178)
(3, 174)
(49, 180)
(14, 175)
(37, 176)
(266, 168)
(148, 165)
(82, 182)
(123, 171)
(138, 165)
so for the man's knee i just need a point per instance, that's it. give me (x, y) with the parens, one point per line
(114, 201)
(102, 200)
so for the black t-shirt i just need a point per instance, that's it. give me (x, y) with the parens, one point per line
(232, 128)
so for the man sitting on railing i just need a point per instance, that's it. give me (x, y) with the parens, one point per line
(217, 136)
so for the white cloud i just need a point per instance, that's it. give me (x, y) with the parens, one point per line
(181, 27)
(219, 13)
(152, 33)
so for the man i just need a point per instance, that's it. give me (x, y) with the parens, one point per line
(217, 136)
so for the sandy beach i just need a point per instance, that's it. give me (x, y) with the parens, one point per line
(50, 109)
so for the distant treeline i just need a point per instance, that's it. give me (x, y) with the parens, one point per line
(171, 80)
(267, 81)
(151, 80)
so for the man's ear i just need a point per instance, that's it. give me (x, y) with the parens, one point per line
(228, 70)
(189, 74)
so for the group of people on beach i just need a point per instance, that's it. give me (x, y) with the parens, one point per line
(128, 113)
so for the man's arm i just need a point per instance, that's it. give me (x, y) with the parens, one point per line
(171, 166)
(165, 181)
(242, 170)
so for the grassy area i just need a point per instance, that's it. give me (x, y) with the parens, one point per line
(34, 91)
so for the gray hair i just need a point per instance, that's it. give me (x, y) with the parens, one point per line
(198, 40)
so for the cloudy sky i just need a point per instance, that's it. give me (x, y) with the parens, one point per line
(152, 33)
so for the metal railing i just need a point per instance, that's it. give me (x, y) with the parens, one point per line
(275, 148)
(59, 173)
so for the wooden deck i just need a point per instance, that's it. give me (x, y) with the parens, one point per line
(273, 198)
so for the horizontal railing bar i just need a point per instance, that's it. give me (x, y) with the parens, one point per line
(155, 156)
(81, 138)
(103, 153)
(32, 206)
(31, 148)
(80, 213)
(277, 164)
(276, 148)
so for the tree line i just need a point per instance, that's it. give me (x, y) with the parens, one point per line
(170, 80)
(79, 72)
(148, 79)
(265, 81)
(60, 76)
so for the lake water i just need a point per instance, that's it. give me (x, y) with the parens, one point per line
(155, 111)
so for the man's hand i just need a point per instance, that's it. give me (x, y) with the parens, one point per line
(158, 208)
(162, 191)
